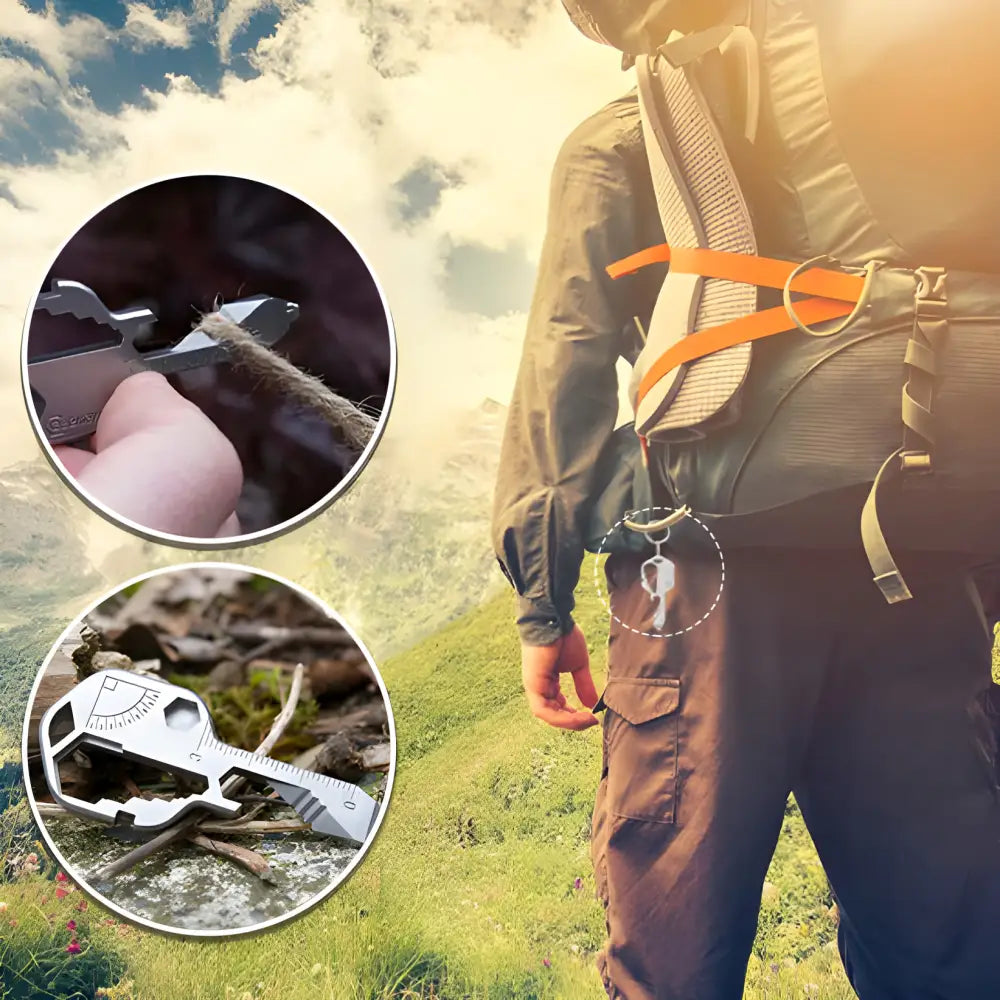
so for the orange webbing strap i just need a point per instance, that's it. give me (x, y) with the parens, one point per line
(834, 295)
(744, 267)
(738, 331)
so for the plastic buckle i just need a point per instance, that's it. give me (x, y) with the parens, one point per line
(893, 587)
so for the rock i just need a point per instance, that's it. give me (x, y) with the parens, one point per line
(107, 660)
(376, 758)
(225, 675)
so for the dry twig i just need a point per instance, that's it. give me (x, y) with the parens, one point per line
(259, 828)
(243, 856)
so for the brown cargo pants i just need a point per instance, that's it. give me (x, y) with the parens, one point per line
(801, 680)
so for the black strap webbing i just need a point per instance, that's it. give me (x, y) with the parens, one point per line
(927, 340)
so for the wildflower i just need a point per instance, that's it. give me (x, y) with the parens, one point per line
(775, 968)
(61, 893)
(578, 883)
(3, 907)
(71, 925)
(547, 962)
(82, 905)
(32, 859)
(12, 923)
(73, 948)
(43, 900)
(62, 877)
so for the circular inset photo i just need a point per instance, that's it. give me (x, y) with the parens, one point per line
(209, 751)
(209, 361)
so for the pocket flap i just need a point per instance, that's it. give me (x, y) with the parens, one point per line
(642, 699)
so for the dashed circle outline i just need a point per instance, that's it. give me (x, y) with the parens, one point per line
(607, 603)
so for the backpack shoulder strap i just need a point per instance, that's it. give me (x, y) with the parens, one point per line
(701, 205)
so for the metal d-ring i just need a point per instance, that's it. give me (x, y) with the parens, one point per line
(823, 258)
(664, 524)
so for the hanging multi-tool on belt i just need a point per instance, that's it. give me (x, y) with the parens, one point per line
(71, 388)
(153, 722)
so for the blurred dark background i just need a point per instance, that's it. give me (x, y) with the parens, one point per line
(181, 245)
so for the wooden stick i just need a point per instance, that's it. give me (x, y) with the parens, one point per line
(243, 631)
(172, 833)
(243, 856)
(52, 810)
(246, 826)
(258, 828)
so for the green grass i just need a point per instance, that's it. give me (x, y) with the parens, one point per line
(34, 936)
(469, 891)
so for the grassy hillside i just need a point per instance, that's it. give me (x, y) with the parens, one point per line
(22, 649)
(471, 889)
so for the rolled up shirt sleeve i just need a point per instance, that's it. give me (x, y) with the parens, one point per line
(565, 400)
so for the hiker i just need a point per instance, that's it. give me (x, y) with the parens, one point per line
(795, 656)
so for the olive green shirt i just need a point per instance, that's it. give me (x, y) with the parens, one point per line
(565, 402)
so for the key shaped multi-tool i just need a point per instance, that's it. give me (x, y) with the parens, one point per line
(71, 388)
(657, 577)
(151, 721)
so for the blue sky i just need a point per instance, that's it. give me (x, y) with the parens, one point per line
(127, 66)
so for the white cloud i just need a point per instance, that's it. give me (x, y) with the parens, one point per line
(321, 120)
(235, 16)
(60, 44)
(24, 86)
(145, 27)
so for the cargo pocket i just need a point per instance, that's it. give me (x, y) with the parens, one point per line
(641, 743)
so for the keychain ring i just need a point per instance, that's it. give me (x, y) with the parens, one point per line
(659, 541)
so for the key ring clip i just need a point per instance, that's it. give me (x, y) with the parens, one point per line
(663, 524)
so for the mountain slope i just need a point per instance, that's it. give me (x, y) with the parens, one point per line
(408, 548)
(43, 561)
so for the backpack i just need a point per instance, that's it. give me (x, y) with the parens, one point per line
(823, 359)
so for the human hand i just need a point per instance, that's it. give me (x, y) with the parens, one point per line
(540, 670)
(160, 462)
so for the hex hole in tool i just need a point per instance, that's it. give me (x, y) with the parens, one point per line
(91, 774)
(182, 714)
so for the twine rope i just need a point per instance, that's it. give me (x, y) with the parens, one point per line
(353, 425)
